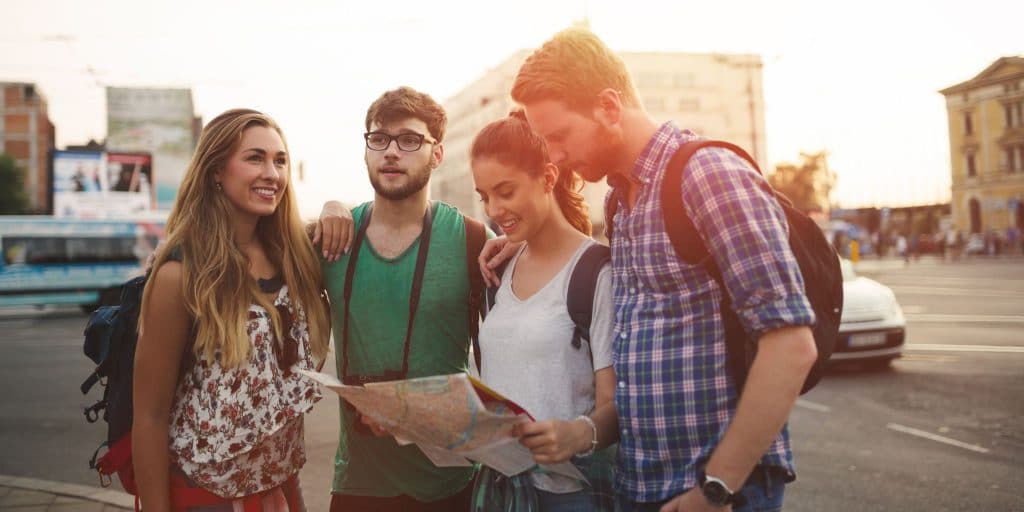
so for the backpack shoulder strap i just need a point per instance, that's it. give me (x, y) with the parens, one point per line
(682, 233)
(582, 287)
(476, 235)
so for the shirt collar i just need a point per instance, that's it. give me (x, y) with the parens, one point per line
(652, 158)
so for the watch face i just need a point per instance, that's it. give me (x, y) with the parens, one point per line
(715, 493)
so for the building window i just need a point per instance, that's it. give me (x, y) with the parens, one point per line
(968, 127)
(975, 212)
(689, 104)
(1011, 160)
(972, 169)
(655, 103)
(684, 80)
(649, 80)
(1013, 114)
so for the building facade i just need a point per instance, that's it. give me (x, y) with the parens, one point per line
(160, 122)
(27, 135)
(986, 142)
(718, 96)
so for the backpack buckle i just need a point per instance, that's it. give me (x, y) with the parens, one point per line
(92, 413)
(105, 480)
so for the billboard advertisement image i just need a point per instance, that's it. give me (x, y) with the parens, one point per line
(98, 185)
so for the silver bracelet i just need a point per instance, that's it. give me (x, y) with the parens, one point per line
(593, 442)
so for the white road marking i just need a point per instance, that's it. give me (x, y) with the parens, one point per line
(966, 319)
(937, 438)
(1000, 349)
(955, 292)
(812, 406)
(959, 282)
(926, 358)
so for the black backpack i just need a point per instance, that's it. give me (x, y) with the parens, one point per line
(110, 336)
(817, 259)
(580, 299)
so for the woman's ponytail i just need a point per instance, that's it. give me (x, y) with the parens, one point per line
(569, 196)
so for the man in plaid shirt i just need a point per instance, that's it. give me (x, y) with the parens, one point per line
(687, 441)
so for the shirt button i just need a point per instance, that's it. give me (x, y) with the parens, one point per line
(632, 291)
(625, 432)
(622, 335)
(622, 384)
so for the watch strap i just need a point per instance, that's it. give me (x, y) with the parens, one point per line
(732, 497)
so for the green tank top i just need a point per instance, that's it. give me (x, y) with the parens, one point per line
(366, 465)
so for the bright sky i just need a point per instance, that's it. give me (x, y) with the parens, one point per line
(859, 79)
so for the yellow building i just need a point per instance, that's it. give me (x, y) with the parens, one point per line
(986, 142)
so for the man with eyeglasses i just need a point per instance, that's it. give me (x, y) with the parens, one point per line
(400, 300)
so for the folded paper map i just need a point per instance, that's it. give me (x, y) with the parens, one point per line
(453, 419)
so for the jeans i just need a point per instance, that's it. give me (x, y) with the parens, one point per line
(763, 490)
(579, 501)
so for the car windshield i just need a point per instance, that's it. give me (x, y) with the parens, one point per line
(848, 273)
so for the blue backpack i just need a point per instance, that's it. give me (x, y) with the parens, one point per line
(110, 336)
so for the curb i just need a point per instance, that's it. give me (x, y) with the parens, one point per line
(107, 496)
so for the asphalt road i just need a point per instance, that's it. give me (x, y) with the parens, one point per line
(943, 429)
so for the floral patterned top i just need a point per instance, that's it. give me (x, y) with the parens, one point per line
(239, 431)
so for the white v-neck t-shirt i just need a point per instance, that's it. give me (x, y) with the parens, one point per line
(527, 353)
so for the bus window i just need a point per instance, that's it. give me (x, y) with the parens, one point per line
(99, 250)
(63, 250)
(36, 250)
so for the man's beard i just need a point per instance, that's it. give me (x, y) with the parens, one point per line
(416, 182)
(601, 160)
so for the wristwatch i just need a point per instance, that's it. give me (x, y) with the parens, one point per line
(717, 493)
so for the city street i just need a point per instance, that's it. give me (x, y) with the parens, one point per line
(943, 429)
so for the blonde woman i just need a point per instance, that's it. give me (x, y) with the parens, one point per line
(231, 310)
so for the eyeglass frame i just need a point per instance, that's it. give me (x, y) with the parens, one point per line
(394, 138)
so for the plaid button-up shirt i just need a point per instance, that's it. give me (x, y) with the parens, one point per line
(674, 396)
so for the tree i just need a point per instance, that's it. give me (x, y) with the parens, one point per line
(13, 199)
(807, 184)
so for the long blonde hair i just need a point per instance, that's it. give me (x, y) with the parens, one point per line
(217, 286)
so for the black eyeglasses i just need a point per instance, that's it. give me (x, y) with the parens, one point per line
(379, 141)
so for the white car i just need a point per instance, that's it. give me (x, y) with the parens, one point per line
(872, 328)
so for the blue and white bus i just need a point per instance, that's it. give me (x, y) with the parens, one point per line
(47, 260)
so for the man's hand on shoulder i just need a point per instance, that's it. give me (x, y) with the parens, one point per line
(495, 252)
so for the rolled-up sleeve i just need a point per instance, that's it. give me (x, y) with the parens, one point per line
(745, 230)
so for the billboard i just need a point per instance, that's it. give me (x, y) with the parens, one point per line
(158, 122)
(98, 185)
